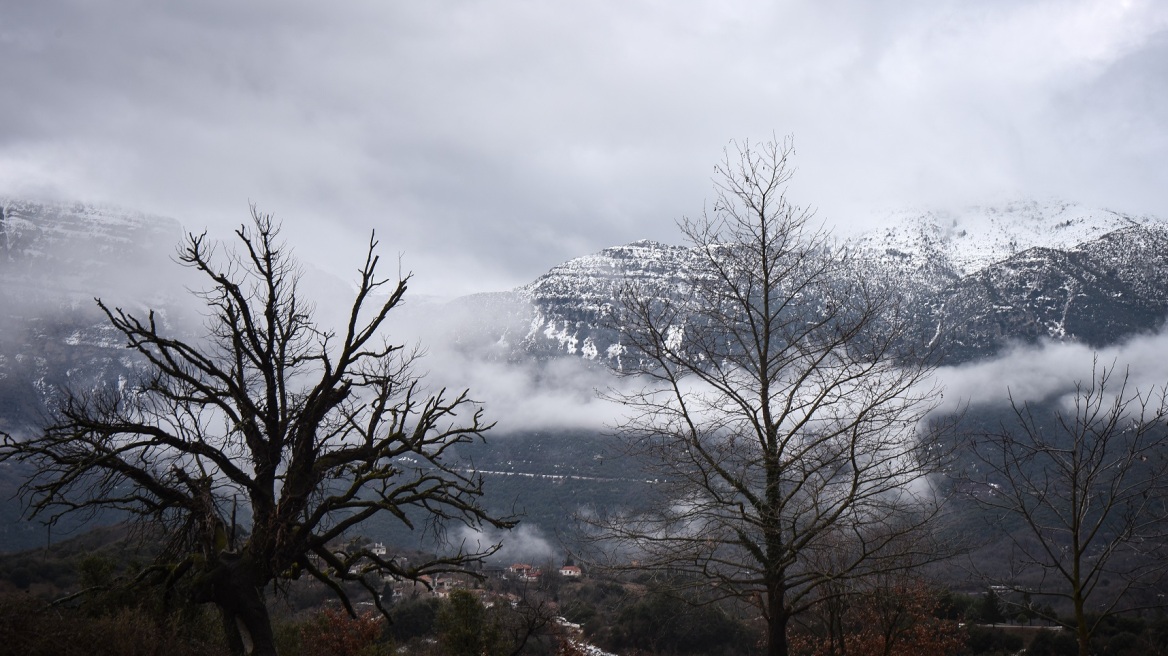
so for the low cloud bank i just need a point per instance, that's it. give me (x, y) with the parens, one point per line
(1052, 369)
(562, 393)
(559, 394)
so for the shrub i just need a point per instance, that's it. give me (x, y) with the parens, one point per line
(336, 633)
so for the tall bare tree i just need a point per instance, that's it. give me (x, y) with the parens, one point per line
(303, 432)
(781, 409)
(1083, 490)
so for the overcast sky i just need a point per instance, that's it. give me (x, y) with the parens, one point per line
(489, 141)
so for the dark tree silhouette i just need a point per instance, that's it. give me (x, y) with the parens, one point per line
(303, 432)
(781, 409)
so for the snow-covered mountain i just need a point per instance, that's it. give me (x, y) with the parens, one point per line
(942, 246)
(978, 279)
(570, 303)
(81, 249)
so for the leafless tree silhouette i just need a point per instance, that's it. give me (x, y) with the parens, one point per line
(781, 412)
(1084, 492)
(303, 432)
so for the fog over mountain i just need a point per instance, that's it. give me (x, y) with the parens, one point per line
(1021, 299)
(1047, 284)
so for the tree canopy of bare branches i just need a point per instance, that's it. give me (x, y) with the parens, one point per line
(1084, 491)
(780, 411)
(302, 432)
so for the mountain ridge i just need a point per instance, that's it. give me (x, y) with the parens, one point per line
(988, 276)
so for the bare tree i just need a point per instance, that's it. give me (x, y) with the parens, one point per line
(1083, 489)
(303, 431)
(780, 412)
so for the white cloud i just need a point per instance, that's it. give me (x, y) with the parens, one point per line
(1051, 370)
(559, 394)
(524, 543)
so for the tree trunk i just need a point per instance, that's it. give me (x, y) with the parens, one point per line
(1083, 636)
(1081, 631)
(246, 623)
(248, 627)
(777, 620)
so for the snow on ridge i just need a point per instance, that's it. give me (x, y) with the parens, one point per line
(938, 244)
(966, 241)
(597, 274)
(934, 247)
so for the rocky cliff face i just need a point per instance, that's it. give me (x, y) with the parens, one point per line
(571, 304)
(1095, 293)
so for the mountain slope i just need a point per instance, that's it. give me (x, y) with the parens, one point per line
(54, 259)
(978, 281)
(1095, 293)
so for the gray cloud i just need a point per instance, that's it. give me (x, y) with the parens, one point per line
(490, 140)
